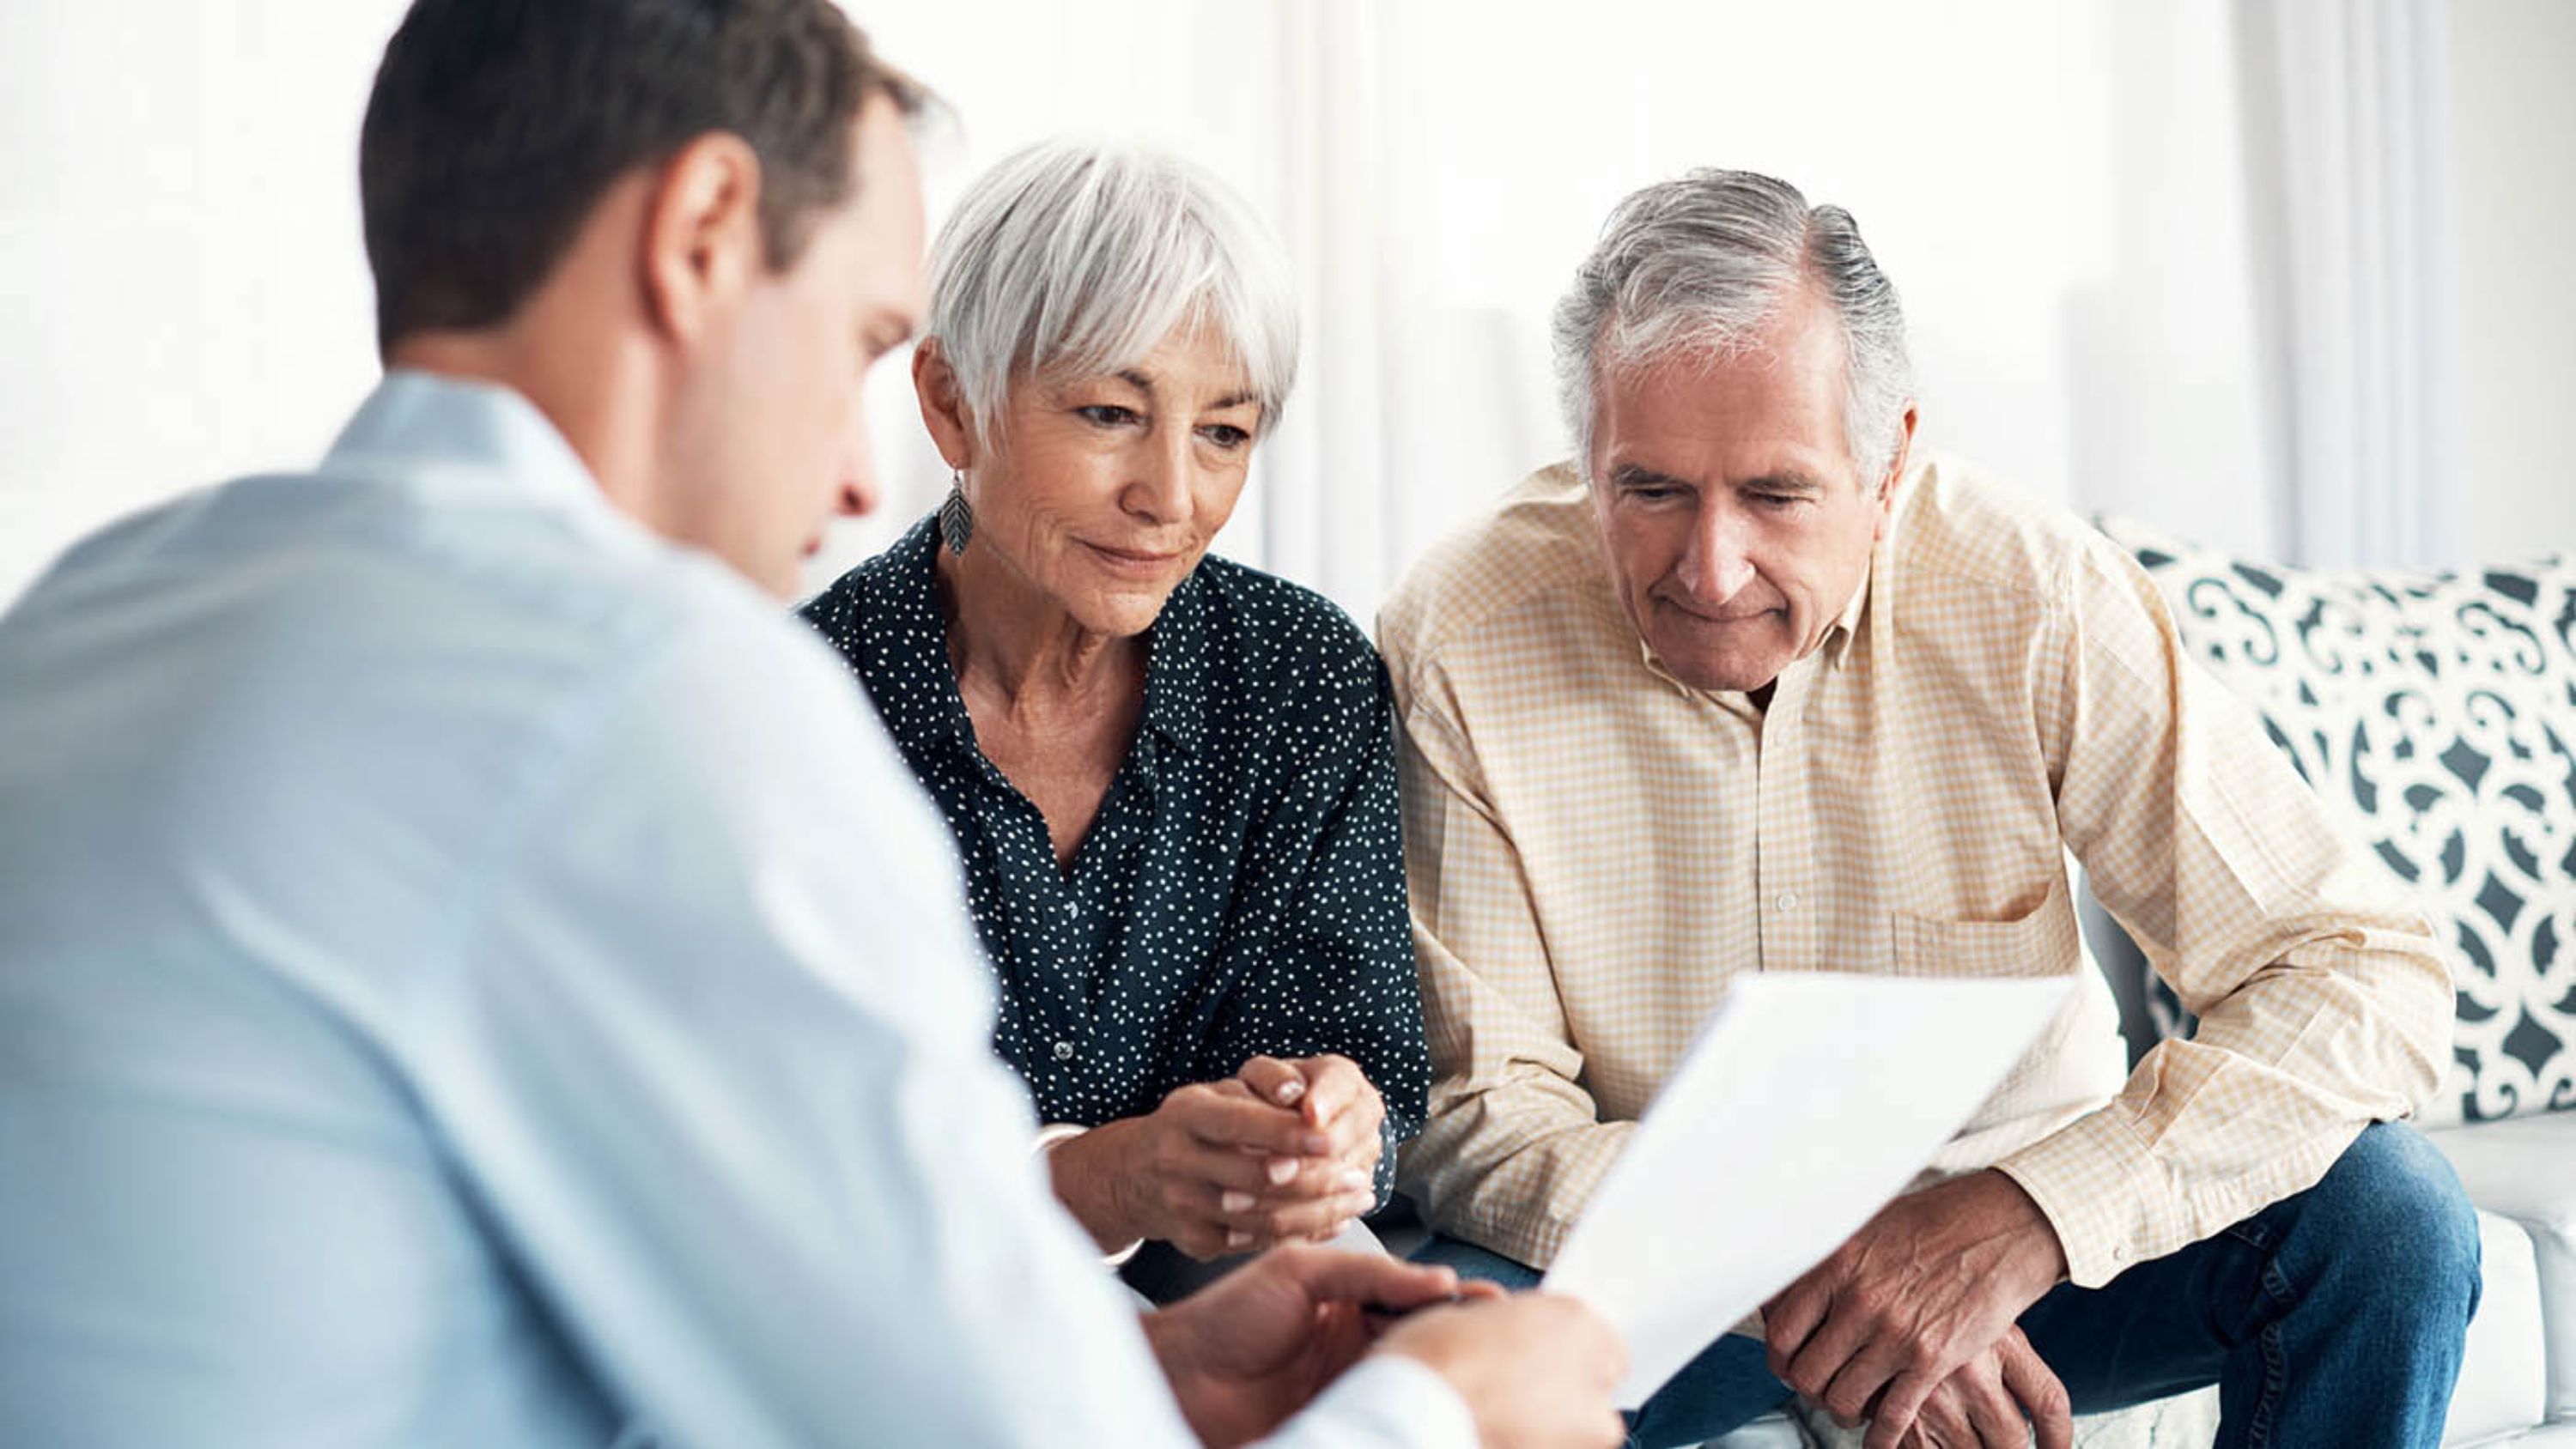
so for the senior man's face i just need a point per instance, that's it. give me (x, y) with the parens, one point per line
(1106, 491)
(1735, 522)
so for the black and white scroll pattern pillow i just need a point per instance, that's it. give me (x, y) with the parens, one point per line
(2438, 711)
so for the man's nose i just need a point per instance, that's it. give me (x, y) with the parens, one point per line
(858, 497)
(1717, 566)
(858, 493)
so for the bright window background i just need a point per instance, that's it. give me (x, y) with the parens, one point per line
(2055, 185)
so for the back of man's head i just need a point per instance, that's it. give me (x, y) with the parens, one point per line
(496, 125)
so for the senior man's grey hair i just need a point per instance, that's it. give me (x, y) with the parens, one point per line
(1698, 266)
(1074, 258)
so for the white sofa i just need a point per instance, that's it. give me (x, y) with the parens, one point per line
(2438, 715)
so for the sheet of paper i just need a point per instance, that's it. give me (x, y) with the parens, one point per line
(1807, 1102)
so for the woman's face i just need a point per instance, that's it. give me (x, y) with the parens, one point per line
(1103, 492)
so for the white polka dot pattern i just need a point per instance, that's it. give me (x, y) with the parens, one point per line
(1242, 889)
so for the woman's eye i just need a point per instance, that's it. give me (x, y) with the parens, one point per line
(1225, 435)
(1106, 415)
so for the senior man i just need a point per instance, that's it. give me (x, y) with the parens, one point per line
(1747, 687)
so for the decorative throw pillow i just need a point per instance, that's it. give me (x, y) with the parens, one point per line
(2437, 712)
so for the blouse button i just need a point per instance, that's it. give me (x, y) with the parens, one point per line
(1064, 1051)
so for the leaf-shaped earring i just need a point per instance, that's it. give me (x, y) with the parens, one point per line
(956, 518)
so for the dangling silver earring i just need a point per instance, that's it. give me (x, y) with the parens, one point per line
(956, 518)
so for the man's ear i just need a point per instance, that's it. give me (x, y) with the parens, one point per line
(943, 404)
(702, 238)
(1894, 477)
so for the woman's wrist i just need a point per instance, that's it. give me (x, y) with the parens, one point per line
(1085, 1172)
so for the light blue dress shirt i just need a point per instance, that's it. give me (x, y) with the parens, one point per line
(474, 974)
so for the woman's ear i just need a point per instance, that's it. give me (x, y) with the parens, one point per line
(943, 404)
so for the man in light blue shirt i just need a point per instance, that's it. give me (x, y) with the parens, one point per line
(472, 971)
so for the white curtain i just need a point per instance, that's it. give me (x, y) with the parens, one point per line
(2348, 107)
(1415, 399)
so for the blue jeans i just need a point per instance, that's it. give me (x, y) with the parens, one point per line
(2332, 1318)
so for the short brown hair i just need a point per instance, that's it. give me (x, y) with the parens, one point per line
(495, 126)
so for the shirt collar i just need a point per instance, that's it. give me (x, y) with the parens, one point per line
(900, 614)
(1838, 639)
(416, 421)
(905, 594)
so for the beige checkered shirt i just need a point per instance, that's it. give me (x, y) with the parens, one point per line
(1595, 849)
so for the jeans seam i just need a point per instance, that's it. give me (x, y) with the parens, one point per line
(2276, 1366)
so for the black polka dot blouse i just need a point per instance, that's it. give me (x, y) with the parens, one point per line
(1242, 889)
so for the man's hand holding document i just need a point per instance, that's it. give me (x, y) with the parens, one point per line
(1807, 1102)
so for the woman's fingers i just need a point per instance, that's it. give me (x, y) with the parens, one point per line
(1265, 1223)
(1334, 1085)
(1221, 1118)
(1274, 1081)
(1193, 1164)
(1236, 1173)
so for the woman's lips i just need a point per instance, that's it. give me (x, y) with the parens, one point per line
(1138, 562)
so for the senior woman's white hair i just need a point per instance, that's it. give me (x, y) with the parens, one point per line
(1077, 258)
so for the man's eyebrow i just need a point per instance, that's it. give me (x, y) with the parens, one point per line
(1638, 475)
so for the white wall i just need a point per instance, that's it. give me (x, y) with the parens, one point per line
(2515, 130)
(182, 292)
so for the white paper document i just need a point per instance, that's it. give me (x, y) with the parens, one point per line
(1807, 1102)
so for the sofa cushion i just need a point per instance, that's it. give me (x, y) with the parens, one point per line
(2526, 1170)
(2437, 714)
(2503, 1373)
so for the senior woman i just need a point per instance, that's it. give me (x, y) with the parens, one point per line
(1170, 776)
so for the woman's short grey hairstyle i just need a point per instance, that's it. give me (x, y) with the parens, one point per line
(1075, 258)
(1698, 266)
